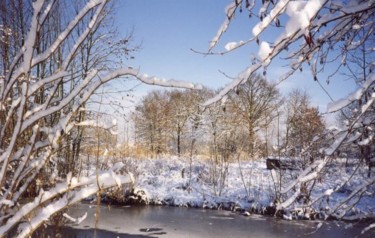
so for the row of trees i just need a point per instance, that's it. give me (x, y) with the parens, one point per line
(254, 119)
(163, 120)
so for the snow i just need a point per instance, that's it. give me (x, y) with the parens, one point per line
(300, 14)
(6, 202)
(338, 141)
(232, 45)
(76, 220)
(264, 53)
(298, 18)
(230, 11)
(287, 217)
(309, 177)
(277, 9)
(166, 181)
(114, 122)
(372, 226)
(96, 123)
(320, 224)
(64, 34)
(328, 192)
(289, 201)
(78, 189)
(241, 77)
(366, 141)
(356, 95)
(295, 7)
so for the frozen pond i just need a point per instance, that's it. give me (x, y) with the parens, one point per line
(154, 221)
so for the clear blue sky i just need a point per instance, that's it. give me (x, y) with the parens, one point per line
(168, 29)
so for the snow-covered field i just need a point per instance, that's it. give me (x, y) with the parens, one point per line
(244, 186)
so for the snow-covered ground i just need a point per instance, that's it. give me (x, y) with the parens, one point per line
(244, 186)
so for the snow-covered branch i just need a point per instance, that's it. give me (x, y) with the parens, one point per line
(230, 12)
(355, 96)
(307, 32)
(69, 195)
(59, 40)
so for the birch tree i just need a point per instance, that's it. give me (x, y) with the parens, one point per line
(29, 140)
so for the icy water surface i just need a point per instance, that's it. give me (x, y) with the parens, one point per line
(152, 221)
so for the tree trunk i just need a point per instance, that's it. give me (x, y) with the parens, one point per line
(178, 142)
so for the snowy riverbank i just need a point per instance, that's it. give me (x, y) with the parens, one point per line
(244, 186)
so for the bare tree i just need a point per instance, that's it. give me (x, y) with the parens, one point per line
(183, 105)
(303, 123)
(15, 15)
(151, 122)
(254, 103)
(29, 140)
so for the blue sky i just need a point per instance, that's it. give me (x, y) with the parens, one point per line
(168, 29)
